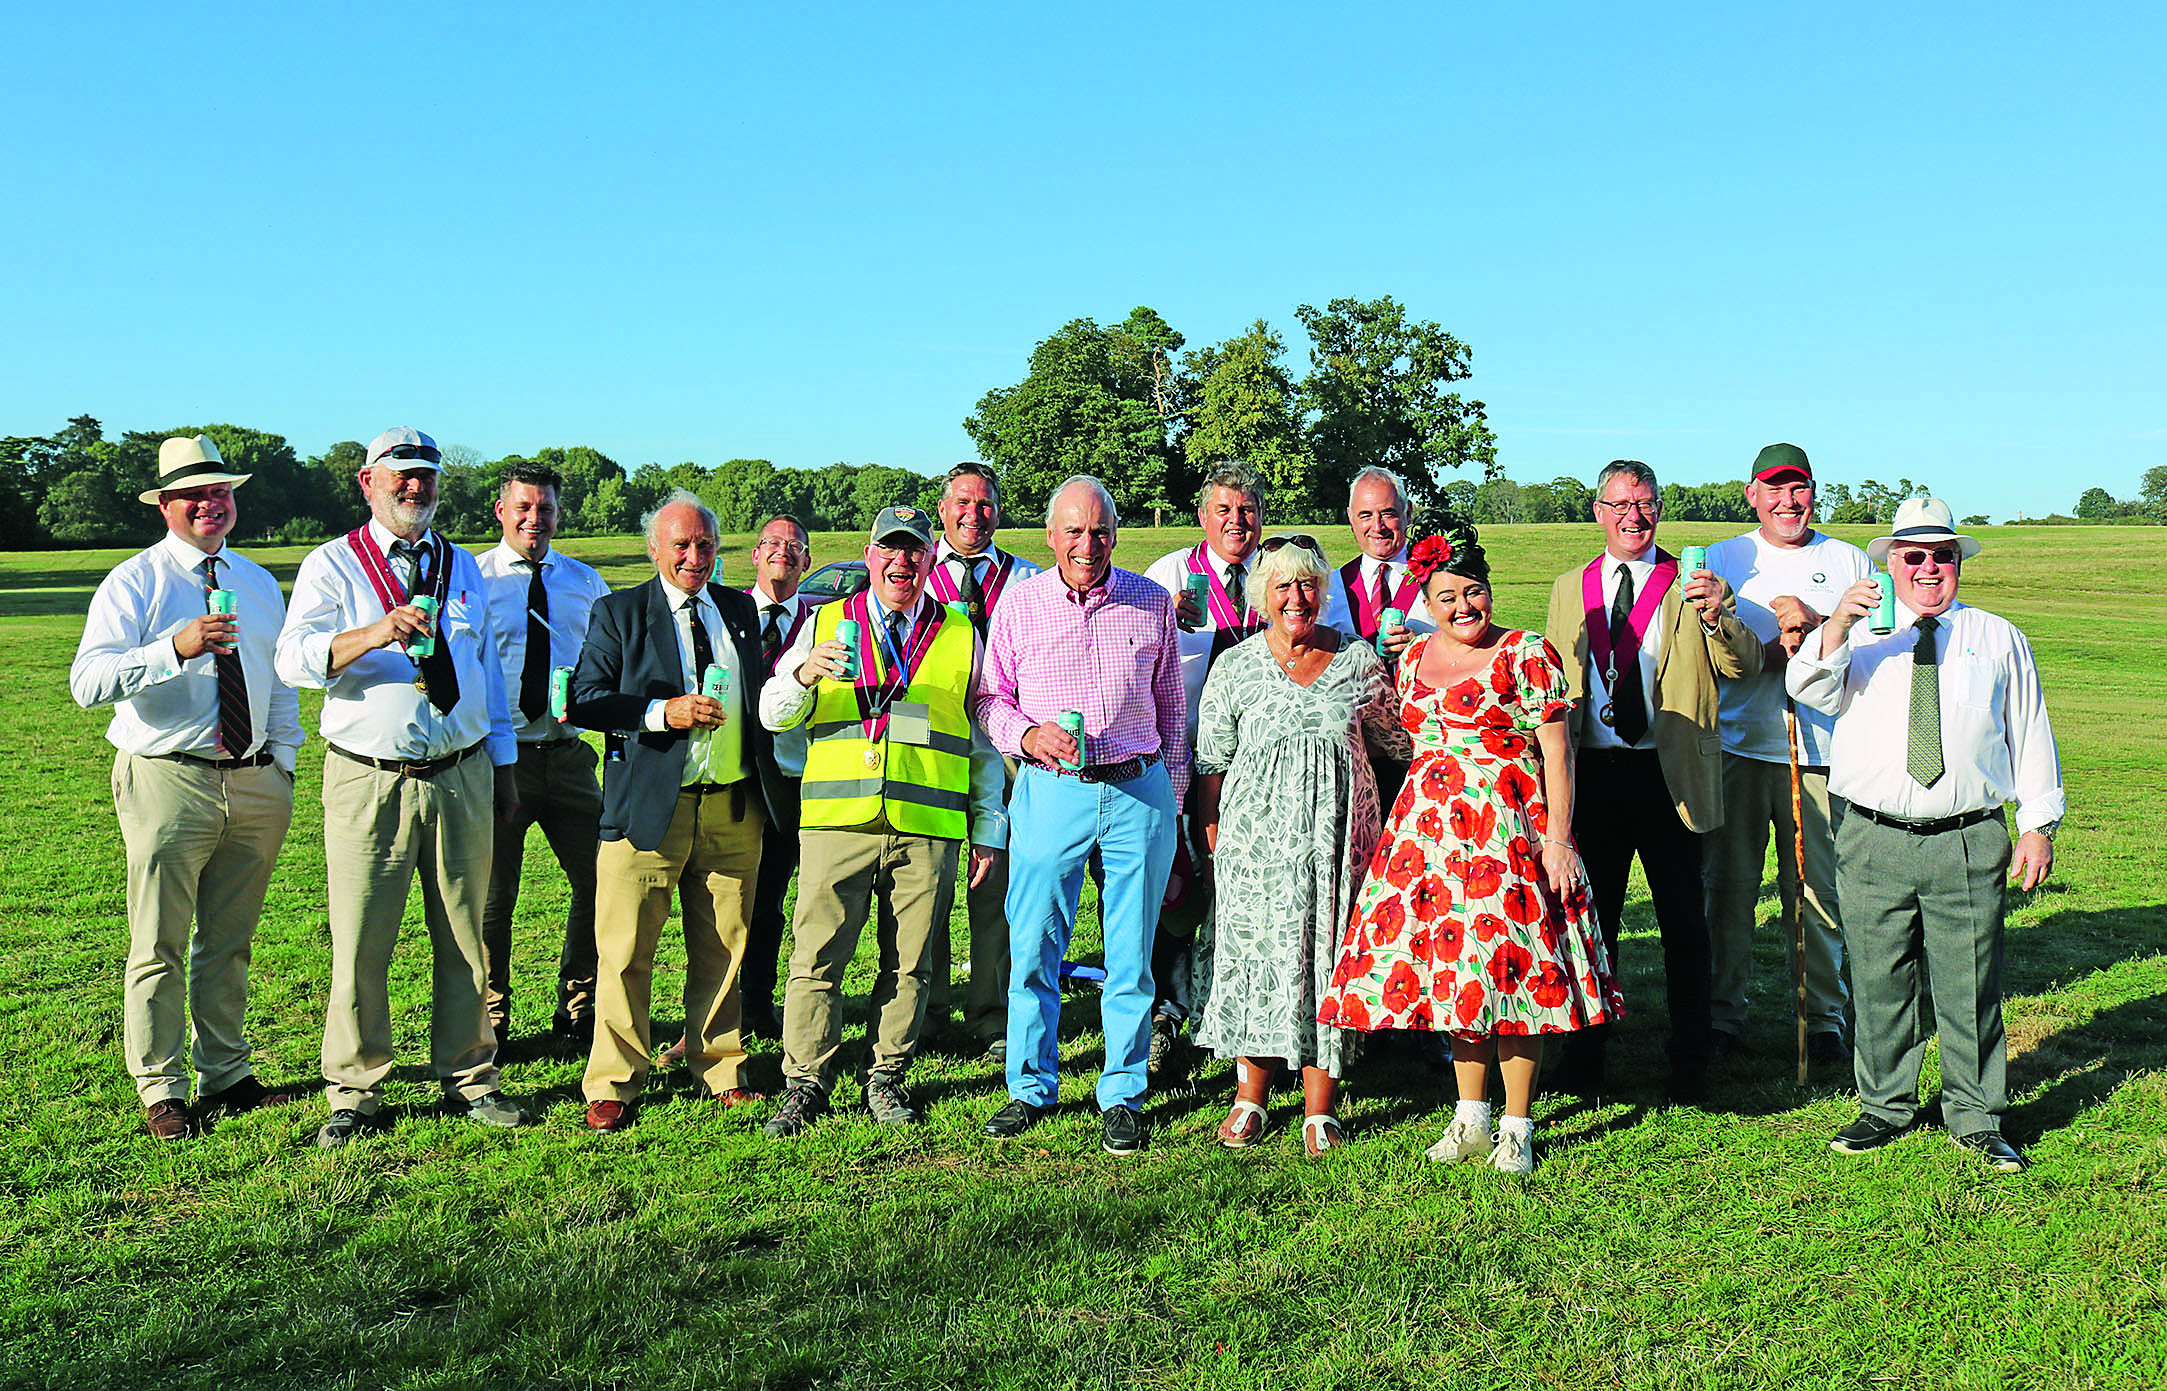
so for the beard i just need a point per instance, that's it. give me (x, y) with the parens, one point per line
(411, 516)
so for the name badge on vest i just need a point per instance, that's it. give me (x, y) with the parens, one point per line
(911, 722)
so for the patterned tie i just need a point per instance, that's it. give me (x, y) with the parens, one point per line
(236, 728)
(973, 595)
(1628, 704)
(534, 674)
(1237, 575)
(1382, 598)
(703, 652)
(438, 673)
(1925, 762)
(771, 636)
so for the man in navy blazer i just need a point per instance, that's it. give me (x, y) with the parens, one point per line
(670, 674)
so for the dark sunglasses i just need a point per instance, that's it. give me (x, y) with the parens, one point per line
(1943, 555)
(425, 452)
(1307, 543)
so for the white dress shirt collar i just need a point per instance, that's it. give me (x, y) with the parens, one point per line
(188, 556)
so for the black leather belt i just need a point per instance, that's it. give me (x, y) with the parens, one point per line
(1927, 828)
(423, 768)
(1126, 769)
(255, 760)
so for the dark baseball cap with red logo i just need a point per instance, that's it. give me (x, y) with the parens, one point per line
(1779, 459)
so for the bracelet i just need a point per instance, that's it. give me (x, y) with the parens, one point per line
(1553, 840)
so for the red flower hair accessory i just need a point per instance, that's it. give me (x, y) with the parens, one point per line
(1430, 555)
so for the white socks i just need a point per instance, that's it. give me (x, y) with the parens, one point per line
(1522, 1126)
(1475, 1113)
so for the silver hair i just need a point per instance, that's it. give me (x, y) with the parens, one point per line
(1085, 480)
(678, 497)
(1280, 565)
(1627, 468)
(970, 469)
(1235, 475)
(1399, 489)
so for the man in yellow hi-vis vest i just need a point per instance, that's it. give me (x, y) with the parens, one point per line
(896, 781)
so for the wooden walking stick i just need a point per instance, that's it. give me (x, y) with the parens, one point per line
(1798, 898)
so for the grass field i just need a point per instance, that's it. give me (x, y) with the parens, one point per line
(1652, 1247)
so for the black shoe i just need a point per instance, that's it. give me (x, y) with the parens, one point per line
(2000, 1156)
(887, 1103)
(248, 1094)
(1127, 1132)
(1014, 1118)
(345, 1127)
(490, 1109)
(1827, 1050)
(1867, 1133)
(803, 1104)
(573, 1031)
(761, 1021)
(1723, 1044)
(1167, 1065)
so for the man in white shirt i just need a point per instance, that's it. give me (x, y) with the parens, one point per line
(969, 569)
(202, 782)
(539, 602)
(780, 559)
(1787, 577)
(1230, 509)
(1940, 724)
(1376, 580)
(391, 623)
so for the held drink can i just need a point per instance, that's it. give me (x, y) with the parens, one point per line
(1072, 722)
(846, 633)
(222, 601)
(1691, 560)
(1200, 590)
(715, 682)
(1388, 621)
(424, 645)
(1884, 619)
(960, 609)
(560, 693)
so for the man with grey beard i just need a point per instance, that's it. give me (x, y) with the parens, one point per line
(391, 623)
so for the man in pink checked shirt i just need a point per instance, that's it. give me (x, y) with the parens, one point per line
(1088, 638)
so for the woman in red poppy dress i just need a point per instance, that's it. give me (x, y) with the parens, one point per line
(1476, 919)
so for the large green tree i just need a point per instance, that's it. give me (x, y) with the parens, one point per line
(1242, 404)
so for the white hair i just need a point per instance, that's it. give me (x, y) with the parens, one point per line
(1085, 480)
(678, 497)
(1399, 489)
(1282, 565)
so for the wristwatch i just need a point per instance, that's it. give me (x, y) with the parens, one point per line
(2050, 830)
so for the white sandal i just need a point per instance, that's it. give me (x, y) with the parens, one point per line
(1233, 1131)
(1321, 1132)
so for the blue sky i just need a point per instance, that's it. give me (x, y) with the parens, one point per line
(1918, 241)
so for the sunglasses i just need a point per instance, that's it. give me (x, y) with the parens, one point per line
(424, 452)
(1941, 555)
(1307, 543)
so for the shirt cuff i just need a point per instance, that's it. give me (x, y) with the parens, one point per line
(655, 721)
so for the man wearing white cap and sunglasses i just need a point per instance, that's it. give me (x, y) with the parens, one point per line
(391, 622)
(179, 643)
(1940, 724)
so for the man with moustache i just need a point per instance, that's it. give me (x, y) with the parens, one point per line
(969, 569)
(205, 735)
(391, 622)
(896, 779)
(1231, 512)
(1644, 648)
(1099, 642)
(1376, 580)
(539, 601)
(1940, 725)
(689, 785)
(1787, 577)
(780, 559)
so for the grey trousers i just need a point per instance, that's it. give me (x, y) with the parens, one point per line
(1757, 795)
(1922, 911)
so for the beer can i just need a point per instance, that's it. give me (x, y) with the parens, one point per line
(960, 609)
(1387, 621)
(1884, 619)
(560, 693)
(1691, 560)
(715, 682)
(424, 645)
(222, 601)
(1072, 721)
(846, 633)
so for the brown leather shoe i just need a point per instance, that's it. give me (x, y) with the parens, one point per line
(737, 1096)
(608, 1116)
(248, 1094)
(168, 1120)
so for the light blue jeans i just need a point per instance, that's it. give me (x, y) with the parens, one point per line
(1054, 823)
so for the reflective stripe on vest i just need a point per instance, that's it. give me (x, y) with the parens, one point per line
(921, 790)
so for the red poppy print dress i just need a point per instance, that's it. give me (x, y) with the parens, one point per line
(1455, 929)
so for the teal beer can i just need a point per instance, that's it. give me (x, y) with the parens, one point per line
(425, 644)
(1072, 722)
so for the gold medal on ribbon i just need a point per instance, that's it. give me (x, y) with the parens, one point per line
(872, 757)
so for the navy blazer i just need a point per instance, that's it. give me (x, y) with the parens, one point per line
(630, 660)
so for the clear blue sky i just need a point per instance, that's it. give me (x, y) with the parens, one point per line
(1918, 242)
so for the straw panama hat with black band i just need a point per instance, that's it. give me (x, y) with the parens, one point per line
(189, 461)
(1921, 521)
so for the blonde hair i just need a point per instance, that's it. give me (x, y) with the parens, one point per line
(1282, 565)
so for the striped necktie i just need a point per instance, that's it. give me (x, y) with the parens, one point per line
(236, 728)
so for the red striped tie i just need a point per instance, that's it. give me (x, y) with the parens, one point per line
(236, 731)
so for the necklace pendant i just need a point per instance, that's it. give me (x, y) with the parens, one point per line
(872, 757)
(1608, 714)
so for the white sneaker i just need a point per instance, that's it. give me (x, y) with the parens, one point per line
(1515, 1154)
(1460, 1141)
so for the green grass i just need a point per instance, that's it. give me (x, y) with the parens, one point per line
(1652, 1247)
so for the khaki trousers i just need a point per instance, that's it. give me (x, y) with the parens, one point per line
(557, 791)
(711, 856)
(985, 998)
(1757, 795)
(380, 830)
(201, 843)
(907, 884)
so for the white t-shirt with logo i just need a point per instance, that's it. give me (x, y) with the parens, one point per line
(1816, 574)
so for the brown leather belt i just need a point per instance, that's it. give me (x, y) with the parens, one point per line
(422, 768)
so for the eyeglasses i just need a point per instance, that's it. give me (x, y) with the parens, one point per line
(426, 452)
(1942, 555)
(909, 550)
(788, 548)
(1307, 543)
(1631, 504)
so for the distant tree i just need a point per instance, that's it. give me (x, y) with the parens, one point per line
(2097, 505)
(466, 494)
(1243, 406)
(1976, 519)
(1377, 394)
(1497, 501)
(1576, 500)
(2152, 496)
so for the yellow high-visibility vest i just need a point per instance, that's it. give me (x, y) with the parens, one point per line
(922, 790)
